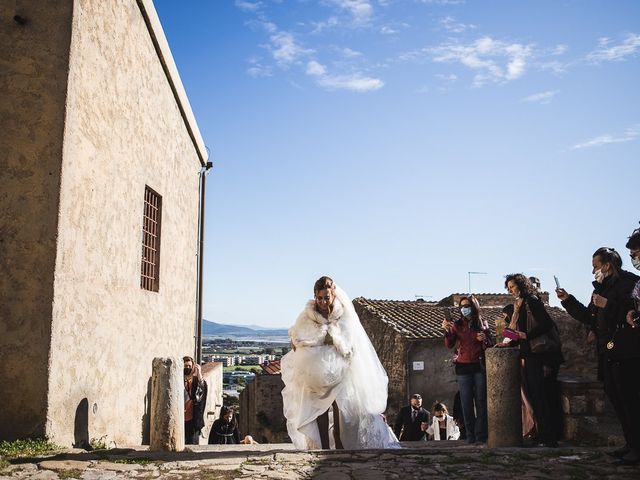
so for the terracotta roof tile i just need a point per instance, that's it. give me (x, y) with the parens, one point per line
(271, 367)
(417, 320)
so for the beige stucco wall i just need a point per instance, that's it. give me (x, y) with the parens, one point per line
(33, 73)
(123, 131)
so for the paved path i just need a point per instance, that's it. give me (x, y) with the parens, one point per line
(281, 462)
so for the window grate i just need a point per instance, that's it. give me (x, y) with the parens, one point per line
(150, 273)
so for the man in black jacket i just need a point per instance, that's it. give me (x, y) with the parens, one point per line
(195, 400)
(408, 426)
(610, 302)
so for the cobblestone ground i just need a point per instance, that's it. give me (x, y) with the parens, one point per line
(281, 462)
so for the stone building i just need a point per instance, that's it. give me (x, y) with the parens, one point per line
(99, 217)
(409, 340)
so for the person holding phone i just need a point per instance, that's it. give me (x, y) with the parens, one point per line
(608, 308)
(195, 400)
(539, 369)
(471, 336)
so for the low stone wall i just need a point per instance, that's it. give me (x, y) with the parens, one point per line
(588, 418)
(261, 410)
(212, 374)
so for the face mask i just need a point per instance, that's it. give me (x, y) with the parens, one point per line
(187, 371)
(466, 311)
(598, 275)
(636, 263)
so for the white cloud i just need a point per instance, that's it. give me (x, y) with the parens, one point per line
(360, 10)
(542, 97)
(248, 6)
(494, 60)
(608, 52)
(257, 69)
(559, 49)
(630, 134)
(316, 69)
(387, 30)
(452, 77)
(330, 22)
(451, 25)
(285, 49)
(355, 82)
(349, 53)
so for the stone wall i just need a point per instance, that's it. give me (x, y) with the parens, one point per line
(33, 85)
(212, 373)
(588, 418)
(438, 380)
(261, 410)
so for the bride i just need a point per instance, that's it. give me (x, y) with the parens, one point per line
(333, 369)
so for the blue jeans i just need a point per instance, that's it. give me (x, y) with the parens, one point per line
(473, 397)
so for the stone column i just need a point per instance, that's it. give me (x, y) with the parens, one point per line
(167, 405)
(504, 404)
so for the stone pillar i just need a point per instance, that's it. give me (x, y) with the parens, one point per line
(504, 404)
(167, 405)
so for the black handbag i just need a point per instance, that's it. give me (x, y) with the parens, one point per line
(547, 342)
(624, 344)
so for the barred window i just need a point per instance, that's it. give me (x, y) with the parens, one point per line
(150, 274)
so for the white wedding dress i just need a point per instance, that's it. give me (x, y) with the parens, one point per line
(334, 360)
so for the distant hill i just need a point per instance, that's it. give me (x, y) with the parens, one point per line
(220, 329)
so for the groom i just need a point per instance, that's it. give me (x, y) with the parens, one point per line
(409, 420)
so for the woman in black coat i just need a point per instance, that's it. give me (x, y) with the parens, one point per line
(540, 369)
(610, 302)
(225, 429)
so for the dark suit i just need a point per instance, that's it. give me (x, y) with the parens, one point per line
(410, 427)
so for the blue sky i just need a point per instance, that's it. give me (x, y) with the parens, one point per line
(396, 145)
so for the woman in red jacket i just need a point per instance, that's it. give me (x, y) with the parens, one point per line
(472, 336)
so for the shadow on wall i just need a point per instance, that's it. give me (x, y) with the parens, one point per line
(81, 425)
(146, 417)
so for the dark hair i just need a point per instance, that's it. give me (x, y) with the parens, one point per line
(438, 406)
(417, 396)
(474, 324)
(187, 358)
(323, 283)
(610, 256)
(634, 240)
(523, 283)
(508, 309)
(224, 411)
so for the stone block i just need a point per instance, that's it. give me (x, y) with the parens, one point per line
(504, 404)
(167, 405)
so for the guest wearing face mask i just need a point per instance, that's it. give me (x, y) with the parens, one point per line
(633, 315)
(443, 426)
(472, 337)
(195, 400)
(610, 303)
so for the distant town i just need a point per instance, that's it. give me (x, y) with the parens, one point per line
(242, 360)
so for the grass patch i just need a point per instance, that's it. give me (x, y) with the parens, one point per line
(136, 461)
(258, 461)
(64, 474)
(31, 447)
(218, 474)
